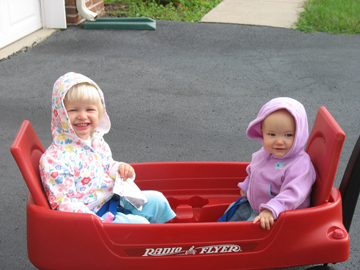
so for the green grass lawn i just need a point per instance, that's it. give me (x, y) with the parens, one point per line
(331, 16)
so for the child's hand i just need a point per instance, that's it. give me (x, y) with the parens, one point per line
(242, 193)
(126, 171)
(266, 219)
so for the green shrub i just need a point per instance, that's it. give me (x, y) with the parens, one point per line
(173, 10)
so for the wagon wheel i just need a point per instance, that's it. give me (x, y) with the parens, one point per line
(321, 267)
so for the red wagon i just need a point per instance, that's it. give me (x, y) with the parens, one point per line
(199, 193)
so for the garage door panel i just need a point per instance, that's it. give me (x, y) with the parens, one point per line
(18, 19)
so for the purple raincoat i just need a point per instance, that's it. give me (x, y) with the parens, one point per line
(280, 184)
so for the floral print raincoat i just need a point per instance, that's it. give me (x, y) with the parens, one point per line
(76, 174)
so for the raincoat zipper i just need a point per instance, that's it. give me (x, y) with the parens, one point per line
(254, 175)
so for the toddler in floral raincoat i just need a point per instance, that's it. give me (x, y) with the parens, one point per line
(77, 169)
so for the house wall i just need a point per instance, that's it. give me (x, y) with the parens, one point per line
(72, 14)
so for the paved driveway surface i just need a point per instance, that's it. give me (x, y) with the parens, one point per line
(185, 92)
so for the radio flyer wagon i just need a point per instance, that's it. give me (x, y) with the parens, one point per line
(199, 193)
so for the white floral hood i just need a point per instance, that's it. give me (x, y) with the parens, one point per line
(60, 123)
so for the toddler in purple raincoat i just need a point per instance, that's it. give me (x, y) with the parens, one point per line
(280, 175)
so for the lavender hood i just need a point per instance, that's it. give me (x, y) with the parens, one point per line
(296, 109)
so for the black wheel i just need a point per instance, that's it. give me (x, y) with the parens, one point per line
(321, 267)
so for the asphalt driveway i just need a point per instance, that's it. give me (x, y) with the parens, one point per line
(185, 92)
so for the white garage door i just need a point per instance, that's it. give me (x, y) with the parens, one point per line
(18, 18)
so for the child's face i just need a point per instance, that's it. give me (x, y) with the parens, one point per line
(278, 131)
(84, 117)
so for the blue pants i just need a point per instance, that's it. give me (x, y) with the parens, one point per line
(240, 210)
(156, 210)
(252, 216)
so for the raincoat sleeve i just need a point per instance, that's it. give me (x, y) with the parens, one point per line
(112, 164)
(58, 181)
(294, 191)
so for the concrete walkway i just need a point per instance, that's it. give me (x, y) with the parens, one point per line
(276, 13)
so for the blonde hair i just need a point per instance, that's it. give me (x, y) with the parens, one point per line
(85, 92)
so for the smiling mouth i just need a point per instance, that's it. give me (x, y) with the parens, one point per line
(82, 125)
